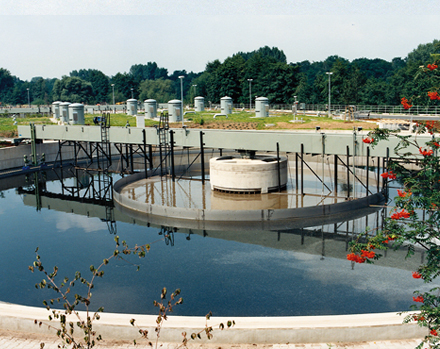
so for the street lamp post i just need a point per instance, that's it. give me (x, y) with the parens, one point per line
(132, 93)
(296, 105)
(29, 98)
(113, 88)
(329, 92)
(250, 97)
(181, 95)
(195, 90)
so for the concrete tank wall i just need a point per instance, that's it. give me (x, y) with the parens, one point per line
(259, 174)
(226, 105)
(199, 104)
(175, 112)
(132, 107)
(261, 107)
(76, 114)
(64, 112)
(56, 109)
(150, 108)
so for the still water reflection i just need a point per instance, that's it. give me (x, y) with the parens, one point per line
(231, 273)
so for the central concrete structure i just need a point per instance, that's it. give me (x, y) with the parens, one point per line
(258, 174)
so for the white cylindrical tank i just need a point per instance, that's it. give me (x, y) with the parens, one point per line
(150, 108)
(199, 103)
(56, 109)
(132, 106)
(226, 105)
(261, 107)
(76, 114)
(175, 112)
(64, 112)
(247, 175)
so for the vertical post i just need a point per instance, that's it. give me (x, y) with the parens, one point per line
(348, 172)
(173, 174)
(278, 167)
(335, 170)
(202, 154)
(322, 161)
(378, 174)
(150, 155)
(109, 148)
(160, 159)
(33, 145)
(91, 151)
(127, 159)
(368, 170)
(61, 155)
(76, 154)
(354, 164)
(144, 151)
(302, 169)
(385, 179)
(131, 158)
(296, 171)
(221, 152)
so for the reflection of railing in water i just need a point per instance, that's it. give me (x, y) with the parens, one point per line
(93, 189)
(324, 241)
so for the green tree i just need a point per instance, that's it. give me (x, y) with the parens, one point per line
(6, 85)
(123, 85)
(149, 71)
(161, 90)
(72, 89)
(100, 84)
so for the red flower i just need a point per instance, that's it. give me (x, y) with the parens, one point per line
(368, 140)
(432, 66)
(436, 145)
(390, 175)
(416, 275)
(405, 103)
(426, 152)
(433, 332)
(356, 258)
(418, 299)
(433, 95)
(401, 193)
(367, 254)
(401, 214)
(418, 318)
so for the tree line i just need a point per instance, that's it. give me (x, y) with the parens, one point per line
(263, 72)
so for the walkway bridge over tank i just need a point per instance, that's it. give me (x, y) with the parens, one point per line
(341, 148)
(312, 142)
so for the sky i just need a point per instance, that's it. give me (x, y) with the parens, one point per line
(50, 38)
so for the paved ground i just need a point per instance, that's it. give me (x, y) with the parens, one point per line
(18, 340)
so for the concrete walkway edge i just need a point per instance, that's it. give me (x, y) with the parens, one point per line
(255, 330)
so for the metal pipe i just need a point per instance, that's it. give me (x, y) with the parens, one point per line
(302, 169)
(202, 154)
(144, 151)
(348, 172)
(368, 170)
(296, 171)
(278, 167)
(173, 174)
(335, 170)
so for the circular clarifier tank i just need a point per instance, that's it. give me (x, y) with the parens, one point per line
(257, 174)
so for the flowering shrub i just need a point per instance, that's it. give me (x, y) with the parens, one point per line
(415, 221)
(368, 140)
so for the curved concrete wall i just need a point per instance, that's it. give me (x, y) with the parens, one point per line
(256, 330)
(265, 217)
